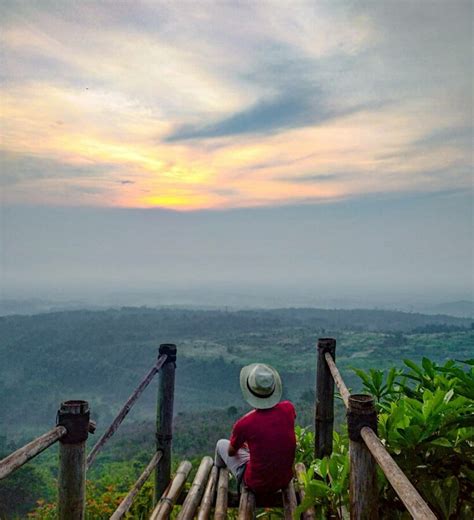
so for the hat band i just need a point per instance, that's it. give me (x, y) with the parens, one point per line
(257, 394)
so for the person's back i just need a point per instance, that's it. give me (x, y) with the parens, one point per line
(262, 447)
(270, 436)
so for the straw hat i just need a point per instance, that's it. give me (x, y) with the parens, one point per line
(261, 385)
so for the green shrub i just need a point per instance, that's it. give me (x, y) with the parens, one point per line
(426, 421)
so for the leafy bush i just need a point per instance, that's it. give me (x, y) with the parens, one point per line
(326, 481)
(426, 421)
(101, 503)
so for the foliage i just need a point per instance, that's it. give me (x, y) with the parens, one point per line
(101, 502)
(374, 383)
(326, 480)
(18, 492)
(304, 445)
(426, 421)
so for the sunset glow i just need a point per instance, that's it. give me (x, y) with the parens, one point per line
(111, 112)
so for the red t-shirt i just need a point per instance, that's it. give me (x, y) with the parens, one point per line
(270, 435)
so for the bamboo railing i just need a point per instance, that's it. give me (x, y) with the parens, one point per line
(126, 503)
(124, 410)
(161, 461)
(365, 448)
(29, 451)
(73, 425)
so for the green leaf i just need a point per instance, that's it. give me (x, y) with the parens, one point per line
(428, 366)
(333, 468)
(323, 467)
(442, 442)
(393, 372)
(413, 366)
(466, 361)
(318, 488)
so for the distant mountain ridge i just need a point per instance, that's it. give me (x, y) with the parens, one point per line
(460, 309)
(32, 306)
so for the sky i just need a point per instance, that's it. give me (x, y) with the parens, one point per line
(240, 136)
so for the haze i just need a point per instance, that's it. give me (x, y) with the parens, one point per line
(308, 152)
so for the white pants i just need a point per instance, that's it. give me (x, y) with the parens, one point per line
(236, 463)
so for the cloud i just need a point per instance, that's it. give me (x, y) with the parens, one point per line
(235, 106)
(88, 190)
(317, 178)
(19, 168)
(459, 136)
(287, 111)
(290, 110)
(227, 192)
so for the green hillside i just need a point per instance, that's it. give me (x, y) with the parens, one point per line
(100, 356)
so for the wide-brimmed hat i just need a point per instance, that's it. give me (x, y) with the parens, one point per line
(261, 385)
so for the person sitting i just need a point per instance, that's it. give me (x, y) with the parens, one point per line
(261, 449)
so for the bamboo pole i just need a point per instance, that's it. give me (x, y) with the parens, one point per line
(300, 470)
(126, 503)
(193, 498)
(164, 419)
(170, 496)
(247, 505)
(324, 406)
(22, 455)
(363, 477)
(220, 511)
(208, 497)
(413, 501)
(74, 416)
(124, 411)
(341, 386)
(163, 500)
(289, 501)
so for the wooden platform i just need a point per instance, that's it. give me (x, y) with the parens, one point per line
(209, 496)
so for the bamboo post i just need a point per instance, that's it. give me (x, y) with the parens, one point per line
(220, 511)
(74, 416)
(363, 476)
(208, 497)
(289, 501)
(247, 505)
(168, 500)
(194, 495)
(164, 419)
(324, 409)
(300, 470)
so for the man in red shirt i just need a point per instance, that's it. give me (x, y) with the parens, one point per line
(261, 449)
